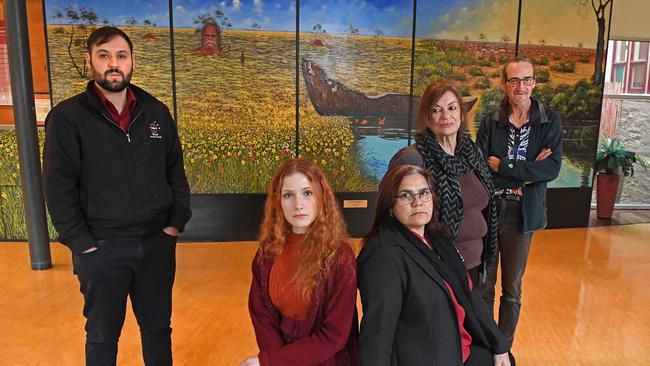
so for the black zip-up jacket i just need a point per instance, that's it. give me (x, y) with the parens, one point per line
(101, 182)
(545, 132)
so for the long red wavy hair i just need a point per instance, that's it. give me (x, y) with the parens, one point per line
(325, 235)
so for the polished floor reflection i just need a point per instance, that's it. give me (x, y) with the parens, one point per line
(586, 297)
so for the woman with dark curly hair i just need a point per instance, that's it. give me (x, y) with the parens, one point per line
(303, 294)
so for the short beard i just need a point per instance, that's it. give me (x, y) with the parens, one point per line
(112, 87)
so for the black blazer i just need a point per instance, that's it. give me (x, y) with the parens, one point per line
(408, 314)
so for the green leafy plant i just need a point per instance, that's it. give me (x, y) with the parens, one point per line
(580, 101)
(542, 75)
(483, 83)
(613, 158)
(566, 67)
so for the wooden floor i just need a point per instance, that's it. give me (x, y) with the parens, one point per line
(585, 302)
(620, 217)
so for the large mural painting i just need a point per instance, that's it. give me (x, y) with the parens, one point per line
(235, 76)
(251, 88)
(235, 81)
(355, 65)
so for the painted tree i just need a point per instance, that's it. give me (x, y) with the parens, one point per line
(600, 10)
(256, 26)
(77, 21)
(149, 36)
(89, 16)
(379, 32)
(352, 30)
(225, 23)
(318, 29)
(131, 22)
(505, 38)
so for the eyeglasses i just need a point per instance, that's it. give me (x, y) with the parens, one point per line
(407, 197)
(528, 81)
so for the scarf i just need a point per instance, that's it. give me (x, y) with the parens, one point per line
(445, 170)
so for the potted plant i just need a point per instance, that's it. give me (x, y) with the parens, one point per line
(612, 161)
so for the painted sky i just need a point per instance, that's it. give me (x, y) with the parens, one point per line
(558, 22)
(555, 21)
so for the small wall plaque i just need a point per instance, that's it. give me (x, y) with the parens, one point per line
(355, 203)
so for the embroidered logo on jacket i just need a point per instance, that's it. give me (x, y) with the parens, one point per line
(154, 128)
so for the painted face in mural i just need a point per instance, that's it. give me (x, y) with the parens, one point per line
(444, 116)
(209, 37)
(413, 206)
(111, 64)
(518, 74)
(299, 203)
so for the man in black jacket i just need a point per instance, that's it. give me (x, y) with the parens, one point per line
(522, 142)
(118, 196)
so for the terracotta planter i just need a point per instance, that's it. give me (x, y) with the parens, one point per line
(606, 187)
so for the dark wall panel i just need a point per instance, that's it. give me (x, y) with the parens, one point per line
(237, 217)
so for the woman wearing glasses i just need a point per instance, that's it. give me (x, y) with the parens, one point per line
(460, 174)
(419, 306)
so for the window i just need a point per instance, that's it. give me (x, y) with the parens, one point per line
(640, 51)
(621, 51)
(637, 77)
(618, 76)
(618, 64)
(628, 68)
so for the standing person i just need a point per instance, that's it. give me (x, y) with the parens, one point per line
(303, 294)
(522, 142)
(118, 196)
(419, 305)
(461, 177)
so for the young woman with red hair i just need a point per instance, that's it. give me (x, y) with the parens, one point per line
(303, 294)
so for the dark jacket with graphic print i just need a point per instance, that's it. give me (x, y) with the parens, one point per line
(101, 182)
(545, 132)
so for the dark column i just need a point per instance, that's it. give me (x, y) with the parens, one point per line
(22, 92)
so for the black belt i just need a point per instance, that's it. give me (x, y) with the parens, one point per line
(509, 197)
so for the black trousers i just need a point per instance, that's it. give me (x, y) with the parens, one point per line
(142, 269)
(514, 247)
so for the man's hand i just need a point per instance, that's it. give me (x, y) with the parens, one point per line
(545, 153)
(502, 359)
(171, 231)
(254, 361)
(494, 162)
(89, 250)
